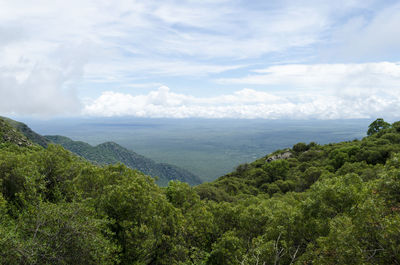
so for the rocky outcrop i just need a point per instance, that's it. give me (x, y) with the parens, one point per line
(285, 155)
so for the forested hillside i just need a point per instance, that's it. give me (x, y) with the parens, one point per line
(107, 153)
(311, 204)
(111, 153)
(26, 131)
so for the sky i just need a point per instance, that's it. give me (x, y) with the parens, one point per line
(204, 59)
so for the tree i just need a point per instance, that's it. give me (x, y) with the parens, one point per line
(300, 147)
(226, 251)
(64, 233)
(376, 126)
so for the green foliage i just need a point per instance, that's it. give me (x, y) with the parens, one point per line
(58, 234)
(300, 147)
(376, 126)
(276, 170)
(226, 251)
(331, 204)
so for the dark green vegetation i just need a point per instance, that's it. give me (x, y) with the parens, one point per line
(311, 204)
(377, 125)
(111, 153)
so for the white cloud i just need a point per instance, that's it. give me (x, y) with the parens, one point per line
(368, 37)
(229, 29)
(121, 71)
(333, 90)
(48, 47)
(177, 38)
(33, 89)
(246, 103)
(383, 75)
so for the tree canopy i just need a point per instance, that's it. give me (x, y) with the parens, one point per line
(313, 204)
(376, 126)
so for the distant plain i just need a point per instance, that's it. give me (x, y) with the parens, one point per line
(208, 148)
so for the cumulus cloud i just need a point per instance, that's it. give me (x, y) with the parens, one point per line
(245, 103)
(334, 90)
(164, 103)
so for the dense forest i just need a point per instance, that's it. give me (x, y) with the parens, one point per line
(311, 204)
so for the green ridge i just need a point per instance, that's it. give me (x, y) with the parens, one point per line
(111, 153)
(27, 132)
(10, 134)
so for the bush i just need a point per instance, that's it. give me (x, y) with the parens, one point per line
(300, 147)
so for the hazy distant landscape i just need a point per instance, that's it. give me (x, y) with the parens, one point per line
(208, 148)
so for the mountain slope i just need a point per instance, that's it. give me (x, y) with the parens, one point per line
(106, 153)
(111, 153)
(9, 134)
(298, 168)
(27, 132)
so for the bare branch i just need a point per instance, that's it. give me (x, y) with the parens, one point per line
(294, 255)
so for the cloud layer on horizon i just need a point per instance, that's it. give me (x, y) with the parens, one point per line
(333, 91)
(243, 104)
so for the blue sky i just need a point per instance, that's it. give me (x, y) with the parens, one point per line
(210, 59)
